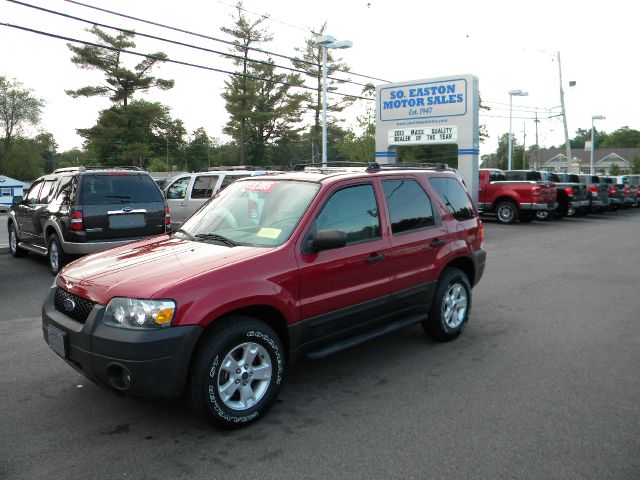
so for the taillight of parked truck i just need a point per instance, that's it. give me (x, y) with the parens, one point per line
(593, 188)
(569, 191)
(612, 191)
(76, 222)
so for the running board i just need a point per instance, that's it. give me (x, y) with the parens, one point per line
(357, 340)
(33, 248)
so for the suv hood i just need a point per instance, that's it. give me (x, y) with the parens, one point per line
(141, 269)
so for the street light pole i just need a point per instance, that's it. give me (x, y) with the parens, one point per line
(593, 140)
(326, 42)
(518, 93)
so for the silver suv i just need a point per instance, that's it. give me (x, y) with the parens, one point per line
(187, 192)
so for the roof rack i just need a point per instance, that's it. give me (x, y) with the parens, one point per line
(242, 167)
(95, 167)
(405, 166)
(337, 165)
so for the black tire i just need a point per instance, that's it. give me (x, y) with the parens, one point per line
(237, 337)
(16, 251)
(543, 215)
(55, 254)
(453, 288)
(506, 212)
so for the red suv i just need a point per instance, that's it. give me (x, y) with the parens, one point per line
(269, 269)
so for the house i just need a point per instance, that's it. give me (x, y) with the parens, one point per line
(555, 160)
(8, 188)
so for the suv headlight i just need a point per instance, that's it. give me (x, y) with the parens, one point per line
(139, 314)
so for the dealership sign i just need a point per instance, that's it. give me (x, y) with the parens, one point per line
(431, 111)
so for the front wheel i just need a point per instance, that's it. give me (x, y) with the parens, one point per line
(237, 373)
(450, 309)
(16, 251)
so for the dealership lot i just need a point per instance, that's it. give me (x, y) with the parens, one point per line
(542, 384)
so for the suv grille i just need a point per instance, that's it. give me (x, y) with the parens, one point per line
(73, 306)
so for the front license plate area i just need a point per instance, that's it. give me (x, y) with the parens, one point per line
(135, 220)
(57, 341)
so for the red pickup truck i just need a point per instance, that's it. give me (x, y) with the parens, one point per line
(513, 200)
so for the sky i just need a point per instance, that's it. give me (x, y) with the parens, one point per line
(507, 45)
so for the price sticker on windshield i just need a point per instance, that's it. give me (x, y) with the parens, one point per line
(259, 186)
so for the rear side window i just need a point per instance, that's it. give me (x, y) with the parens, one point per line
(108, 189)
(409, 205)
(66, 191)
(203, 186)
(228, 179)
(46, 192)
(454, 196)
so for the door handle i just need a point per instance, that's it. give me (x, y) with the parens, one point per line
(437, 243)
(375, 257)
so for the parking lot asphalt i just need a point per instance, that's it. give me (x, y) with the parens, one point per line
(543, 384)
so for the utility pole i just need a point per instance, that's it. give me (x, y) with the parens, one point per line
(536, 121)
(524, 145)
(564, 118)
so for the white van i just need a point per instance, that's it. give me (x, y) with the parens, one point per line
(187, 192)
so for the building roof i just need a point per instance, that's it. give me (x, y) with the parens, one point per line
(602, 156)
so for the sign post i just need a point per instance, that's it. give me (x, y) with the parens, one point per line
(431, 111)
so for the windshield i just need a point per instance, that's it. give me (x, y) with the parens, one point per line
(260, 213)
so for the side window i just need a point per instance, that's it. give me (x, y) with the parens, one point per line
(66, 191)
(178, 189)
(228, 179)
(409, 205)
(46, 192)
(454, 196)
(34, 191)
(203, 186)
(354, 211)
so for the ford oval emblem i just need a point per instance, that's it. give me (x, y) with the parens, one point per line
(69, 305)
(127, 209)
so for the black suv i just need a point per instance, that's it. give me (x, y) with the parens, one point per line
(80, 210)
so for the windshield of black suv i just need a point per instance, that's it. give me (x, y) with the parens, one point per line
(117, 187)
(260, 213)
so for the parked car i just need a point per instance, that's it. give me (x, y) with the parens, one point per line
(634, 185)
(616, 192)
(78, 210)
(270, 269)
(579, 195)
(570, 196)
(599, 192)
(624, 190)
(511, 201)
(189, 191)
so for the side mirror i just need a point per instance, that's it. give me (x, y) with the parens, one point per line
(17, 199)
(328, 239)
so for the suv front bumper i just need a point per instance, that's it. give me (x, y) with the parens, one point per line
(150, 363)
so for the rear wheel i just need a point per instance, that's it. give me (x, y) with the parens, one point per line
(543, 215)
(16, 251)
(57, 257)
(450, 309)
(506, 212)
(237, 373)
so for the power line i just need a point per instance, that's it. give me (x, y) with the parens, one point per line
(188, 32)
(175, 42)
(169, 60)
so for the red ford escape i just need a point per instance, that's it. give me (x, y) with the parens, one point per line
(301, 263)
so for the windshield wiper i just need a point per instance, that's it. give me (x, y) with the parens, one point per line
(217, 238)
(185, 233)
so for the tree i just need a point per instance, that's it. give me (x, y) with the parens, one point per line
(134, 135)
(263, 109)
(311, 63)
(635, 168)
(18, 107)
(120, 82)
(614, 170)
(24, 160)
(198, 151)
(624, 137)
(240, 91)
